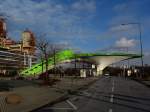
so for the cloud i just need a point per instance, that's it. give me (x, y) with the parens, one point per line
(124, 13)
(116, 31)
(63, 44)
(123, 19)
(129, 7)
(84, 5)
(121, 27)
(57, 20)
(121, 7)
(125, 43)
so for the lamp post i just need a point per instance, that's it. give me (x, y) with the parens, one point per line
(140, 38)
(54, 52)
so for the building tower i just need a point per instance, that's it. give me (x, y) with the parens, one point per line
(28, 42)
(3, 33)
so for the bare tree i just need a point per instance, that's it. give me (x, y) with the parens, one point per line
(54, 49)
(47, 49)
(43, 45)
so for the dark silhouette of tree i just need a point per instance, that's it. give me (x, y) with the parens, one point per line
(43, 45)
(47, 49)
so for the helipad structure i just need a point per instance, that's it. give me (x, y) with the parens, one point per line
(101, 60)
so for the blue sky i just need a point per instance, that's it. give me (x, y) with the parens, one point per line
(87, 25)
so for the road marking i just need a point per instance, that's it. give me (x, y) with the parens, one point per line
(113, 86)
(110, 110)
(62, 108)
(55, 108)
(113, 83)
(112, 89)
(71, 104)
(111, 98)
(86, 93)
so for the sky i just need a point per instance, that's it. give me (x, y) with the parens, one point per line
(86, 25)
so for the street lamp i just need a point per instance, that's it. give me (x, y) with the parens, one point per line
(141, 45)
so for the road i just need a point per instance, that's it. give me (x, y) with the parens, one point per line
(108, 94)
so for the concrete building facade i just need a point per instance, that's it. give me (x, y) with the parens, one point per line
(16, 55)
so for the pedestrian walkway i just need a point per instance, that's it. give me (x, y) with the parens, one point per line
(37, 96)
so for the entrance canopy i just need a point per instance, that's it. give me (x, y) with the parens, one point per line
(100, 59)
(105, 59)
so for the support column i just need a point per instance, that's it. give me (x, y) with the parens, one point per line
(24, 59)
(29, 61)
(83, 73)
(99, 70)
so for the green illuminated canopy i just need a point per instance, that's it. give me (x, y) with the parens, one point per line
(68, 55)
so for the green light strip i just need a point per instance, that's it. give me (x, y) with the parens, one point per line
(37, 68)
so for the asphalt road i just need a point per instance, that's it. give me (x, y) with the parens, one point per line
(108, 94)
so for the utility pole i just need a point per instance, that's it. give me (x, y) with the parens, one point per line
(141, 45)
(54, 61)
(75, 64)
